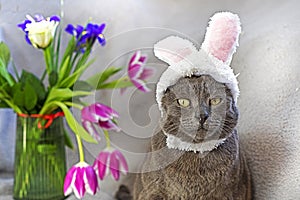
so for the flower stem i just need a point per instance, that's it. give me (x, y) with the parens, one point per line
(80, 149)
(106, 134)
(47, 56)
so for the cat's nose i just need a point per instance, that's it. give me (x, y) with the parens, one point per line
(203, 117)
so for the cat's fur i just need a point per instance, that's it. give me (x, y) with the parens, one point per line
(221, 173)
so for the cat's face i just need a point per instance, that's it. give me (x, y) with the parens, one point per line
(198, 109)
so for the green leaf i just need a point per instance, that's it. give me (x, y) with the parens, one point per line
(68, 141)
(70, 48)
(3, 104)
(4, 54)
(64, 94)
(74, 125)
(57, 37)
(24, 96)
(83, 86)
(82, 58)
(70, 80)
(35, 82)
(53, 78)
(18, 95)
(31, 96)
(100, 78)
(119, 83)
(4, 61)
(64, 69)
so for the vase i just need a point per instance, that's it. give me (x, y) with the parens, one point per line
(40, 159)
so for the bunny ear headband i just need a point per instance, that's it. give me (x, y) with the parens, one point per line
(213, 58)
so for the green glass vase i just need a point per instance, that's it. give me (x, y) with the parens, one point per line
(40, 160)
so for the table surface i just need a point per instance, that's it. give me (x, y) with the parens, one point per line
(6, 185)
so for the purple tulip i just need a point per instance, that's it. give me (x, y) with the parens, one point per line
(81, 178)
(137, 72)
(98, 114)
(86, 36)
(114, 160)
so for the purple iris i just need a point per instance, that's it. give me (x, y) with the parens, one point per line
(101, 115)
(36, 19)
(114, 160)
(81, 178)
(137, 72)
(87, 35)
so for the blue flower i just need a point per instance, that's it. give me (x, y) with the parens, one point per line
(86, 36)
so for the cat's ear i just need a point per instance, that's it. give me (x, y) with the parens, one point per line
(222, 36)
(173, 49)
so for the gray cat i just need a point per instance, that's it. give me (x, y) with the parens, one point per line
(196, 153)
(199, 110)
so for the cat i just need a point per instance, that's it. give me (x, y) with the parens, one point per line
(197, 146)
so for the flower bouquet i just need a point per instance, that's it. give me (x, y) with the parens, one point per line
(42, 102)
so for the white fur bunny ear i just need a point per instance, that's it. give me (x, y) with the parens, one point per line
(222, 36)
(173, 49)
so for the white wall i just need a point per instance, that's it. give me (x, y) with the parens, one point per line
(267, 60)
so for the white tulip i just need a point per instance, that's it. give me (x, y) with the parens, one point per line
(41, 33)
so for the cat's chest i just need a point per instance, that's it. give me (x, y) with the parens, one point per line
(194, 175)
(193, 170)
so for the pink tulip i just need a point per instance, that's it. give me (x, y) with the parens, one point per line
(101, 115)
(80, 178)
(137, 72)
(114, 160)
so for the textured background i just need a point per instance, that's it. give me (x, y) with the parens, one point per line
(268, 62)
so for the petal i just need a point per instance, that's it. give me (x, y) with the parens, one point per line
(147, 72)
(70, 29)
(122, 161)
(140, 85)
(68, 181)
(79, 29)
(143, 59)
(88, 114)
(89, 27)
(38, 17)
(89, 127)
(27, 39)
(55, 18)
(23, 25)
(114, 166)
(79, 187)
(136, 56)
(91, 180)
(101, 163)
(105, 112)
(101, 28)
(135, 70)
(109, 125)
(101, 39)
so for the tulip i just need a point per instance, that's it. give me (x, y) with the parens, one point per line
(81, 178)
(137, 72)
(101, 115)
(39, 31)
(87, 35)
(114, 160)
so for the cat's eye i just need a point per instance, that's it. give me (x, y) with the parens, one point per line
(183, 102)
(215, 101)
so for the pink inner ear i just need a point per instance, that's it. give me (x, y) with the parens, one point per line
(178, 55)
(222, 35)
